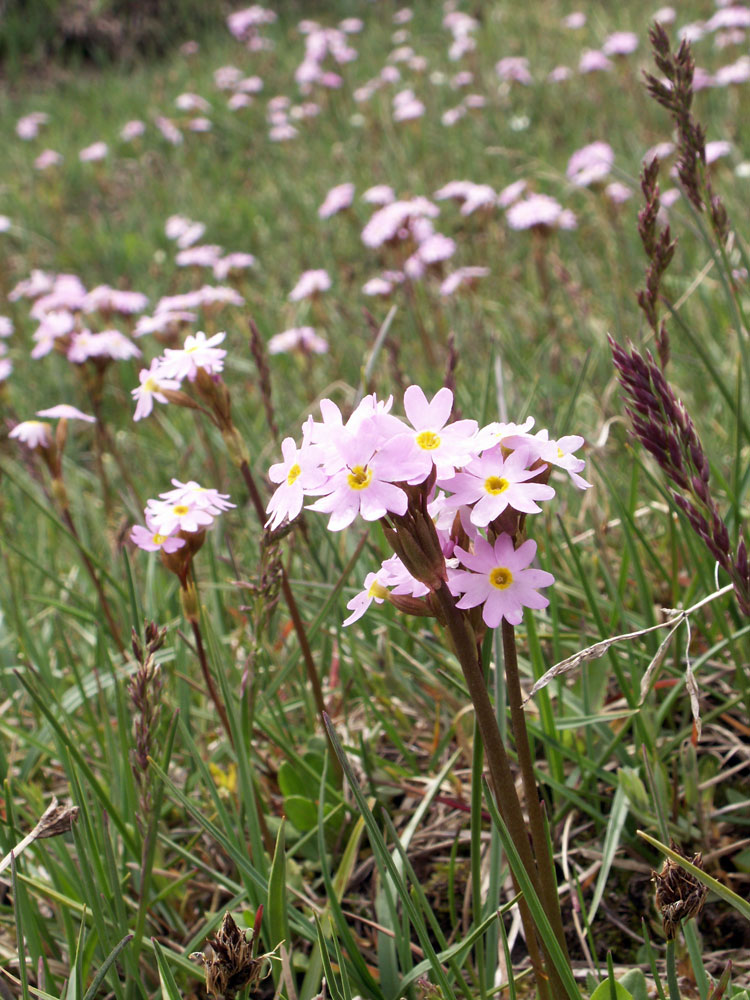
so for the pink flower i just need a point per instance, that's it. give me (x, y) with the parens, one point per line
(445, 447)
(492, 483)
(6, 326)
(593, 61)
(558, 453)
(299, 471)
(205, 255)
(515, 69)
(374, 590)
(620, 43)
(28, 126)
(96, 151)
(132, 130)
(233, 262)
(310, 283)
(66, 412)
(618, 193)
(167, 516)
(56, 324)
(365, 484)
(575, 20)
(201, 497)
(161, 322)
(48, 158)
(197, 352)
(151, 388)
(168, 130)
(303, 337)
(497, 577)
(539, 211)
(150, 539)
(33, 433)
(106, 299)
(464, 276)
(6, 368)
(591, 164)
(107, 344)
(337, 199)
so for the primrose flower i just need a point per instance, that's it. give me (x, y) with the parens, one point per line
(166, 516)
(6, 326)
(446, 447)
(374, 590)
(203, 497)
(498, 578)
(299, 471)
(151, 388)
(337, 199)
(310, 283)
(232, 262)
(590, 164)
(132, 130)
(303, 337)
(96, 151)
(48, 158)
(198, 351)
(492, 483)
(67, 412)
(33, 433)
(150, 539)
(365, 484)
(6, 368)
(558, 453)
(108, 344)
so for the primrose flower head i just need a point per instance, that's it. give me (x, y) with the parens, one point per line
(63, 411)
(497, 577)
(198, 351)
(450, 497)
(33, 433)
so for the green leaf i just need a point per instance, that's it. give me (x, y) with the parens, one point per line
(603, 991)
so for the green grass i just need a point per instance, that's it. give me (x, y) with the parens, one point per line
(360, 893)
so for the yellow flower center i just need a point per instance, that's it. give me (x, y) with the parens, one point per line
(293, 473)
(180, 509)
(158, 539)
(359, 477)
(377, 590)
(428, 440)
(496, 484)
(560, 453)
(501, 577)
(150, 385)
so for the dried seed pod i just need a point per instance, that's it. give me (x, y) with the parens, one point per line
(228, 960)
(679, 894)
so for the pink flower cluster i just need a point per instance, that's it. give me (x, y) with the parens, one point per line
(168, 370)
(376, 465)
(188, 509)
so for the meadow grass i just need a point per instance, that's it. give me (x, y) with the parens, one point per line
(375, 850)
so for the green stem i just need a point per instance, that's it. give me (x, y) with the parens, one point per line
(291, 603)
(465, 647)
(208, 678)
(548, 882)
(674, 989)
(104, 603)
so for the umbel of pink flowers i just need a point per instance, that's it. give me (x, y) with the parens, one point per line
(452, 498)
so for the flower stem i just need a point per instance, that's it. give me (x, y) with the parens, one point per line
(210, 684)
(549, 895)
(104, 603)
(465, 647)
(291, 603)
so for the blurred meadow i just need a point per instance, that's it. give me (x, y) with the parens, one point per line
(213, 172)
